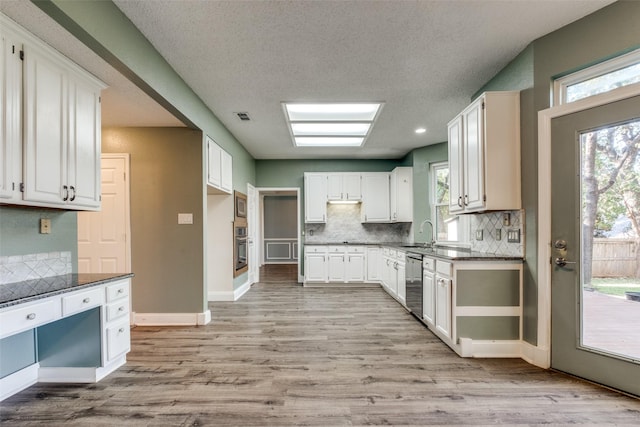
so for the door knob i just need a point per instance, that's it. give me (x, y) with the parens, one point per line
(561, 262)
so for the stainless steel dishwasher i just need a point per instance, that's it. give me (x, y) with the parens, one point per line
(414, 283)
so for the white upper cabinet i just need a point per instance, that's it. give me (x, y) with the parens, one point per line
(219, 169)
(401, 194)
(484, 155)
(344, 186)
(59, 164)
(10, 117)
(375, 197)
(315, 197)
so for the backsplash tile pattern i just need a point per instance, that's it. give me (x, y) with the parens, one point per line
(343, 225)
(18, 268)
(489, 223)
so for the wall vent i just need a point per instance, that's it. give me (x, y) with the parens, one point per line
(244, 116)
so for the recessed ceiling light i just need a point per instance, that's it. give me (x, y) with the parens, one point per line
(421, 130)
(330, 124)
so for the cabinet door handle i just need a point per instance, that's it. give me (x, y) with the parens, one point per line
(86, 300)
(66, 193)
(73, 197)
(460, 201)
(466, 200)
(121, 308)
(120, 290)
(121, 330)
(31, 316)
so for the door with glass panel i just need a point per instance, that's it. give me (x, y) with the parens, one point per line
(595, 173)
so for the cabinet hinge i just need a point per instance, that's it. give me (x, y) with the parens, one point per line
(22, 55)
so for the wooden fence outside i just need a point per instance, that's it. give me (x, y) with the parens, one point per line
(615, 258)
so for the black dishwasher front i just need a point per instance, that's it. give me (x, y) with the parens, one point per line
(414, 283)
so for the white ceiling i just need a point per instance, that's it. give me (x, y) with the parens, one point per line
(424, 59)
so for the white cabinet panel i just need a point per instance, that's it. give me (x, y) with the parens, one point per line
(428, 297)
(375, 197)
(336, 267)
(374, 264)
(226, 172)
(443, 305)
(401, 194)
(344, 186)
(219, 169)
(355, 267)
(315, 197)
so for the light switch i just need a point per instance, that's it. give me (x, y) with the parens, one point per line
(185, 218)
(479, 234)
(513, 236)
(498, 234)
(45, 226)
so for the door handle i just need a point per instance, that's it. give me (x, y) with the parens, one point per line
(561, 262)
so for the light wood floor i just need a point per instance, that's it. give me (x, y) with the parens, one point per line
(284, 355)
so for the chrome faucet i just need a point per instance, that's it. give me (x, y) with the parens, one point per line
(426, 221)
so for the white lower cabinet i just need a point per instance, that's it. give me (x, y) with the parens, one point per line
(335, 264)
(355, 265)
(443, 298)
(428, 291)
(374, 264)
(394, 273)
(315, 263)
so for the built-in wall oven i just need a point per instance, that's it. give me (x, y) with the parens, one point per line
(240, 247)
(414, 283)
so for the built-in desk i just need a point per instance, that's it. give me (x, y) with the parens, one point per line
(69, 328)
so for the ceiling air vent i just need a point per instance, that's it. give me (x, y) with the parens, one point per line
(243, 116)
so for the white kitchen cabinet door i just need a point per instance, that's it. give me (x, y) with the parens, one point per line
(428, 298)
(443, 305)
(374, 264)
(214, 164)
(375, 197)
(45, 145)
(473, 134)
(10, 117)
(401, 279)
(315, 267)
(334, 186)
(456, 166)
(352, 186)
(315, 198)
(355, 267)
(336, 267)
(401, 194)
(84, 150)
(226, 171)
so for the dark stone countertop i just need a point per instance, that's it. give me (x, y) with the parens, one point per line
(443, 252)
(30, 290)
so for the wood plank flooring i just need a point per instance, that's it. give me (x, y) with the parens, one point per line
(279, 273)
(285, 355)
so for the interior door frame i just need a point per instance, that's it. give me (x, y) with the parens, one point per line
(541, 355)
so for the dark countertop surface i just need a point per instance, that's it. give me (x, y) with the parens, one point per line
(30, 290)
(443, 252)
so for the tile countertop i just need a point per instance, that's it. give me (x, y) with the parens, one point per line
(449, 253)
(31, 290)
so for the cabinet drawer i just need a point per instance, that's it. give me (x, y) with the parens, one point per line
(356, 249)
(429, 264)
(21, 319)
(117, 290)
(336, 249)
(117, 309)
(444, 268)
(314, 249)
(82, 301)
(118, 339)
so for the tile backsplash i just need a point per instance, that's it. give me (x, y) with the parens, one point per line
(343, 225)
(17, 268)
(494, 241)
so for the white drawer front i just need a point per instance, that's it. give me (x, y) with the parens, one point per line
(20, 319)
(429, 264)
(356, 249)
(118, 339)
(336, 249)
(82, 301)
(314, 249)
(117, 290)
(117, 310)
(444, 268)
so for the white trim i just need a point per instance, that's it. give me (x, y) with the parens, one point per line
(490, 348)
(170, 319)
(239, 292)
(544, 202)
(488, 311)
(268, 246)
(538, 356)
(204, 318)
(228, 296)
(79, 375)
(18, 381)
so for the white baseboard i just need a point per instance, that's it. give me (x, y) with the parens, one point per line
(538, 356)
(79, 375)
(18, 381)
(171, 319)
(215, 296)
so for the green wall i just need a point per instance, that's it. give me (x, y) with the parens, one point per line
(166, 178)
(606, 33)
(20, 232)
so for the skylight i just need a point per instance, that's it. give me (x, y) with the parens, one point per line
(330, 124)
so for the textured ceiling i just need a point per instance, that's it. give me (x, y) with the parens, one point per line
(424, 59)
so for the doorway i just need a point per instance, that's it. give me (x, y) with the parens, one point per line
(104, 237)
(595, 201)
(278, 240)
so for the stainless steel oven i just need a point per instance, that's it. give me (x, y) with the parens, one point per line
(414, 283)
(240, 246)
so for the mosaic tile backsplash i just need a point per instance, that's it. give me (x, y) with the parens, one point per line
(489, 224)
(343, 225)
(18, 268)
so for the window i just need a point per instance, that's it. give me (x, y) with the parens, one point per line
(604, 77)
(447, 228)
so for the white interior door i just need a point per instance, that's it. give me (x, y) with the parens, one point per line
(252, 238)
(104, 237)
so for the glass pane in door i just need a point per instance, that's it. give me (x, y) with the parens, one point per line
(610, 194)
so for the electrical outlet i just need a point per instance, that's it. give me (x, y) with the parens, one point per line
(185, 218)
(513, 236)
(479, 234)
(506, 219)
(45, 226)
(498, 234)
